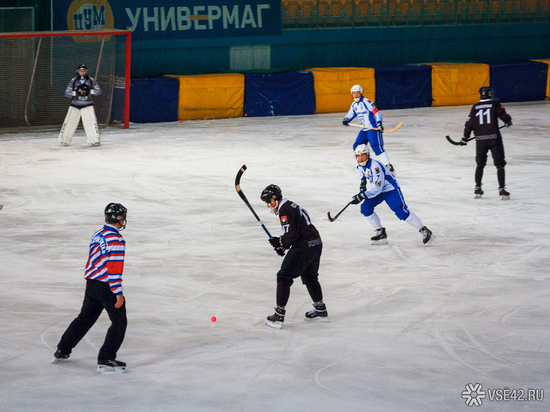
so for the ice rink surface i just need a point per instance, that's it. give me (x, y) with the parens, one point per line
(412, 328)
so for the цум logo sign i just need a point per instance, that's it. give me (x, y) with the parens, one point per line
(90, 15)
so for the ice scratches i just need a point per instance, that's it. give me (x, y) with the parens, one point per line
(449, 349)
(471, 343)
(477, 345)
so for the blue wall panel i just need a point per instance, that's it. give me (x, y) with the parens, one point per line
(403, 87)
(154, 100)
(521, 81)
(279, 94)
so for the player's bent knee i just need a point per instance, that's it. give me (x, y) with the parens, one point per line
(367, 213)
(377, 150)
(402, 214)
(284, 278)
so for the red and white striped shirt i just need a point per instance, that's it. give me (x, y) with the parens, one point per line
(106, 258)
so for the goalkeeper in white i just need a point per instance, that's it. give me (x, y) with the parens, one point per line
(81, 90)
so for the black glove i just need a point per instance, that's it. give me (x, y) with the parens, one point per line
(83, 89)
(463, 141)
(379, 125)
(276, 243)
(358, 198)
(363, 185)
(345, 122)
(509, 124)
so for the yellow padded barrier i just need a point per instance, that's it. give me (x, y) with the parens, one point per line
(210, 96)
(455, 84)
(333, 84)
(548, 79)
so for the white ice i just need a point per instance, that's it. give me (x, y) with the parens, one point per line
(411, 326)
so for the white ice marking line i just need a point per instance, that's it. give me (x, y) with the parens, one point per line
(44, 341)
(90, 343)
(324, 386)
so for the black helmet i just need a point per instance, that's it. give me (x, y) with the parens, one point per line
(271, 192)
(114, 212)
(485, 92)
(82, 67)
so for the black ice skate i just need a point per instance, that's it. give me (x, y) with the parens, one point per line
(381, 238)
(478, 192)
(503, 193)
(427, 236)
(319, 312)
(58, 356)
(276, 320)
(392, 170)
(111, 366)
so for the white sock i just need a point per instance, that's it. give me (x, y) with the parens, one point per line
(374, 220)
(384, 158)
(414, 220)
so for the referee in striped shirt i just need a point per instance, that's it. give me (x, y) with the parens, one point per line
(103, 276)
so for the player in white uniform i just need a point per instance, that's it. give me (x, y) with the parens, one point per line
(383, 187)
(368, 115)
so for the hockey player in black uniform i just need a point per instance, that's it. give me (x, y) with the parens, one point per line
(483, 121)
(303, 244)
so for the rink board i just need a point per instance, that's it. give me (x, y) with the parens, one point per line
(163, 91)
(519, 81)
(210, 96)
(403, 87)
(279, 94)
(547, 62)
(455, 84)
(333, 84)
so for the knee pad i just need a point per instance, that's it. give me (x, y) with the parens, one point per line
(501, 164)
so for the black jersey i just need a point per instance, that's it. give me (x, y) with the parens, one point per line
(483, 120)
(298, 231)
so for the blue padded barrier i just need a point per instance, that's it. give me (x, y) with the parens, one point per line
(154, 100)
(279, 94)
(403, 87)
(519, 81)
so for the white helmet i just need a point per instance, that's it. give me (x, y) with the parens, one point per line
(362, 149)
(357, 88)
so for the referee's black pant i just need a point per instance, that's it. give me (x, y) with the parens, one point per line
(98, 296)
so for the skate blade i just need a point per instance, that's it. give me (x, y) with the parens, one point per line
(429, 242)
(318, 319)
(379, 242)
(276, 325)
(56, 360)
(505, 197)
(477, 196)
(109, 369)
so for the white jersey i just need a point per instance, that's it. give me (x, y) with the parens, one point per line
(365, 110)
(379, 178)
